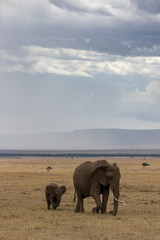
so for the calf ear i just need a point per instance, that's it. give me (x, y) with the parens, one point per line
(63, 188)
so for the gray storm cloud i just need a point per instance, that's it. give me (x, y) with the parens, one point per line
(88, 64)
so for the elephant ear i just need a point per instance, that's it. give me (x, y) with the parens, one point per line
(63, 188)
(115, 164)
(100, 164)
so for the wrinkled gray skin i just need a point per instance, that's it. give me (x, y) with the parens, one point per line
(93, 179)
(53, 195)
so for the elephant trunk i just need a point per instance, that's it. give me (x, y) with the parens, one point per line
(116, 199)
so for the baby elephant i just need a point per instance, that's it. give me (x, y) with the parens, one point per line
(53, 195)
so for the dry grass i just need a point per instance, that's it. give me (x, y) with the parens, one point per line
(24, 215)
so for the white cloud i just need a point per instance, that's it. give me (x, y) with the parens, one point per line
(13, 68)
(5, 55)
(67, 11)
(65, 61)
(144, 105)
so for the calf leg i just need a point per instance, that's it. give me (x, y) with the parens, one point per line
(48, 204)
(48, 201)
(52, 203)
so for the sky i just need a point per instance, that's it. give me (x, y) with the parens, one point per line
(68, 65)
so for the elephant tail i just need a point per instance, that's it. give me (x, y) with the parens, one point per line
(74, 198)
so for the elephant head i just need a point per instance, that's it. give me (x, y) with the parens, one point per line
(58, 192)
(54, 194)
(106, 174)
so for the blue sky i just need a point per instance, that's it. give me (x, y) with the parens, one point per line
(68, 65)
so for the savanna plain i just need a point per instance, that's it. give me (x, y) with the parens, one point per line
(24, 214)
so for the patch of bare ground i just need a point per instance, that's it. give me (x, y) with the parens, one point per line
(24, 214)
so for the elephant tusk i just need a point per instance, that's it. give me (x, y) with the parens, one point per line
(120, 200)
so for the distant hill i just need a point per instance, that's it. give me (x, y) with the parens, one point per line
(91, 139)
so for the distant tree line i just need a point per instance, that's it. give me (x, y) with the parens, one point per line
(75, 154)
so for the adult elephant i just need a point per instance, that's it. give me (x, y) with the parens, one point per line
(93, 179)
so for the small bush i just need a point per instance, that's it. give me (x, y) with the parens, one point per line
(145, 164)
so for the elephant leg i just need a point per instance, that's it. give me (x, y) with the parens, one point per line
(52, 203)
(48, 204)
(98, 202)
(105, 199)
(77, 208)
(79, 205)
(48, 201)
(53, 207)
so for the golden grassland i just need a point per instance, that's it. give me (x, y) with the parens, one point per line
(24, 214)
